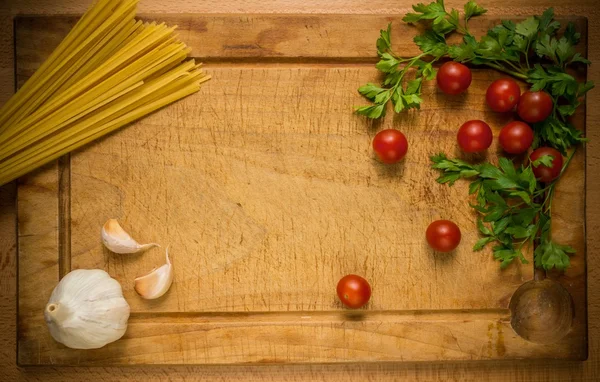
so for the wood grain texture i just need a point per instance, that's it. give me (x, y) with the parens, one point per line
(462, 371)
(264, 186)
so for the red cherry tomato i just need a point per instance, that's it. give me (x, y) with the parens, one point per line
(354, 291)
(390, 146)
(516, 137)
(453, 78)
(443, 235)
(474, 136)
(503, 95)
(534, 106)
(547, 173)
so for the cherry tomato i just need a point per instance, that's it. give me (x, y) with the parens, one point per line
(474, 136)
(443, 235)
(503, 95)
(545, 173)
(516, 137)
(454, 78)
(390, 146)
(534, 106)
(353, 291)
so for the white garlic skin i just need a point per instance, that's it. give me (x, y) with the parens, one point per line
(87, 310)
(116, 239)
(157, 282)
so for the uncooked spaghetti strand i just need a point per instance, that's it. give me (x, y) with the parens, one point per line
(64, 71)
(30, 90)
(70, 40)
(44, 145)
(86, 104)
(161, 87)
(128, 75)
(109, 71)
(75, 90)
(101, 52)
(18, 171)
(106, 69)
(18, 127)
(25, 141)
(144, 91)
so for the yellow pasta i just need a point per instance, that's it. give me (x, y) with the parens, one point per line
(109, 71)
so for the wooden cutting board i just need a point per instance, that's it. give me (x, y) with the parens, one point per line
(265, 188)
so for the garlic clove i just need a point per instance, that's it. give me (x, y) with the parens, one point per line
(87, 310)
(117, 240)
(157, 282)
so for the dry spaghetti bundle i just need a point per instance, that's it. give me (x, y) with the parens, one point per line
(110, 70)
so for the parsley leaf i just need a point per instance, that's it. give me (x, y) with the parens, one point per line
(528, 28)
(571, 35)
(375, 111)
(371, 91)
(431, 11)
(383, 42)
(547, 24)
(472, 9)
(560, 135)
(388, 63)
(431, 43)
(548, 254)
(545, 160)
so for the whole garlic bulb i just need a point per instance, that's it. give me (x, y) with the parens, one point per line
(87, 310)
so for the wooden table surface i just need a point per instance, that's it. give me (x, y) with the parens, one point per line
(465, 371)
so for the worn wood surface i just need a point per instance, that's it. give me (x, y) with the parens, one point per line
(265, 188)
(463, 371)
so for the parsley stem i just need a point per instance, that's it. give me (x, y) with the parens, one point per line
(506, 70)
(520, 70)
(567, 163)
(402, 74)
(463, 30)
(547, 205)
(527, 53)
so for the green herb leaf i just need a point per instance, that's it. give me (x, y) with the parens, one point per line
(555, 133)
(528, 28)
(465, 51)
(571, 35)
(550, 255)
(482, 243)
(431, 43)
(578, 58)
(375, 111)
(384, 41)
(545, 160)
(564, 50)
(500, 225)
(431, 11)
(388, 63)
(507, 255)
(520, 232)
(472, 9)
(547, 46)
(474, 187)
(547, 24)
(482, 228)
(370, 91)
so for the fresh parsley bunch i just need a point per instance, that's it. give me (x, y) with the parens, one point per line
(530, 50)
(514, 208)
